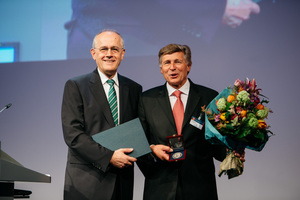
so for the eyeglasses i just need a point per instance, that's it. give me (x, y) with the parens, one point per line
(113, 50)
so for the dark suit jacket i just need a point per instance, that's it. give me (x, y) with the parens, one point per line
(85, 112)
(197, 171)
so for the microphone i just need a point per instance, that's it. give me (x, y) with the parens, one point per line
(6, 107)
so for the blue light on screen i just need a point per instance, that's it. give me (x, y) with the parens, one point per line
(7, 54)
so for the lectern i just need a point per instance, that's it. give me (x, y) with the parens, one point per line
(12, 171)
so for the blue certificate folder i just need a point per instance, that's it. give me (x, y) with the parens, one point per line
(128, 135)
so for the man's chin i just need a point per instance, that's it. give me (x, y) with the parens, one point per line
(174, 85)
(110, 73)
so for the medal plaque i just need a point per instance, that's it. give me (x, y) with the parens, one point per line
(177, 144)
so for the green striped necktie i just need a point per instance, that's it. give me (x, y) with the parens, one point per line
(112, 100)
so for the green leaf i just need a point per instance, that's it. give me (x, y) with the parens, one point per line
(259, 135)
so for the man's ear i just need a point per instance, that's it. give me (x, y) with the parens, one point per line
(123, 53)
(189, 69)
(93, 53)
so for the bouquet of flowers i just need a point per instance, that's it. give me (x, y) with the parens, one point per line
(236, 119)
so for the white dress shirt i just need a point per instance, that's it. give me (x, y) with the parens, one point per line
(106, 87)
(185, 89)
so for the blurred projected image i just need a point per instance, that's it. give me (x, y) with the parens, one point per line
(147, 25)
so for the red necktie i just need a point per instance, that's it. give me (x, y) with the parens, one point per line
(178, 111)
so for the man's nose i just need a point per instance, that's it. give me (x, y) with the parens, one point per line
(172, 66)
(109, 52)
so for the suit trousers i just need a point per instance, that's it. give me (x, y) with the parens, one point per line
(117, 191)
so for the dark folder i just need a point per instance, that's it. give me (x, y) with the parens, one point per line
(128, 135)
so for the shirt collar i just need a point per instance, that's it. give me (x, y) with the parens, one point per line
(184, 89)
(104, 78)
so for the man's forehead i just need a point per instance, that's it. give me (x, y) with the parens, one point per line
(109, 46)
(173, 56)
(109, 39)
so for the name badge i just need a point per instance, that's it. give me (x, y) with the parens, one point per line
(197, 122)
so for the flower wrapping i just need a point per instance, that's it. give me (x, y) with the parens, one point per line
(236, 119)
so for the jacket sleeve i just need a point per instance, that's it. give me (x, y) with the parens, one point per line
(82, 147)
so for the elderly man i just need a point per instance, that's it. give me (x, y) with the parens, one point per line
(170, 110)
(93, 103)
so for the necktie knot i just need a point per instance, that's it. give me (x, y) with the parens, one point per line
(177, 93)
(111, 82)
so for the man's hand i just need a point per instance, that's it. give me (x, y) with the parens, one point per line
(240, 153)
(161, 151)
(120, 159)
(238, 10)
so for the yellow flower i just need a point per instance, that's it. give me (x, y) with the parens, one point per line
(261, 124)
(222, 117)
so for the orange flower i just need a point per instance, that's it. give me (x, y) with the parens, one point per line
(230, 98)
(241, 89)
(261, 124)
(243, 113)
(260, 107)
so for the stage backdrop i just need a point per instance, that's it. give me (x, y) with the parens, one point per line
(265, 47)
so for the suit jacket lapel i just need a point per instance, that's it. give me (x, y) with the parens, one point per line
(164, 102)
(99, 94)
(192, 103)
(124, 96)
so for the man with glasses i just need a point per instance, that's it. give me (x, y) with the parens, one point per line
(93, 103)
